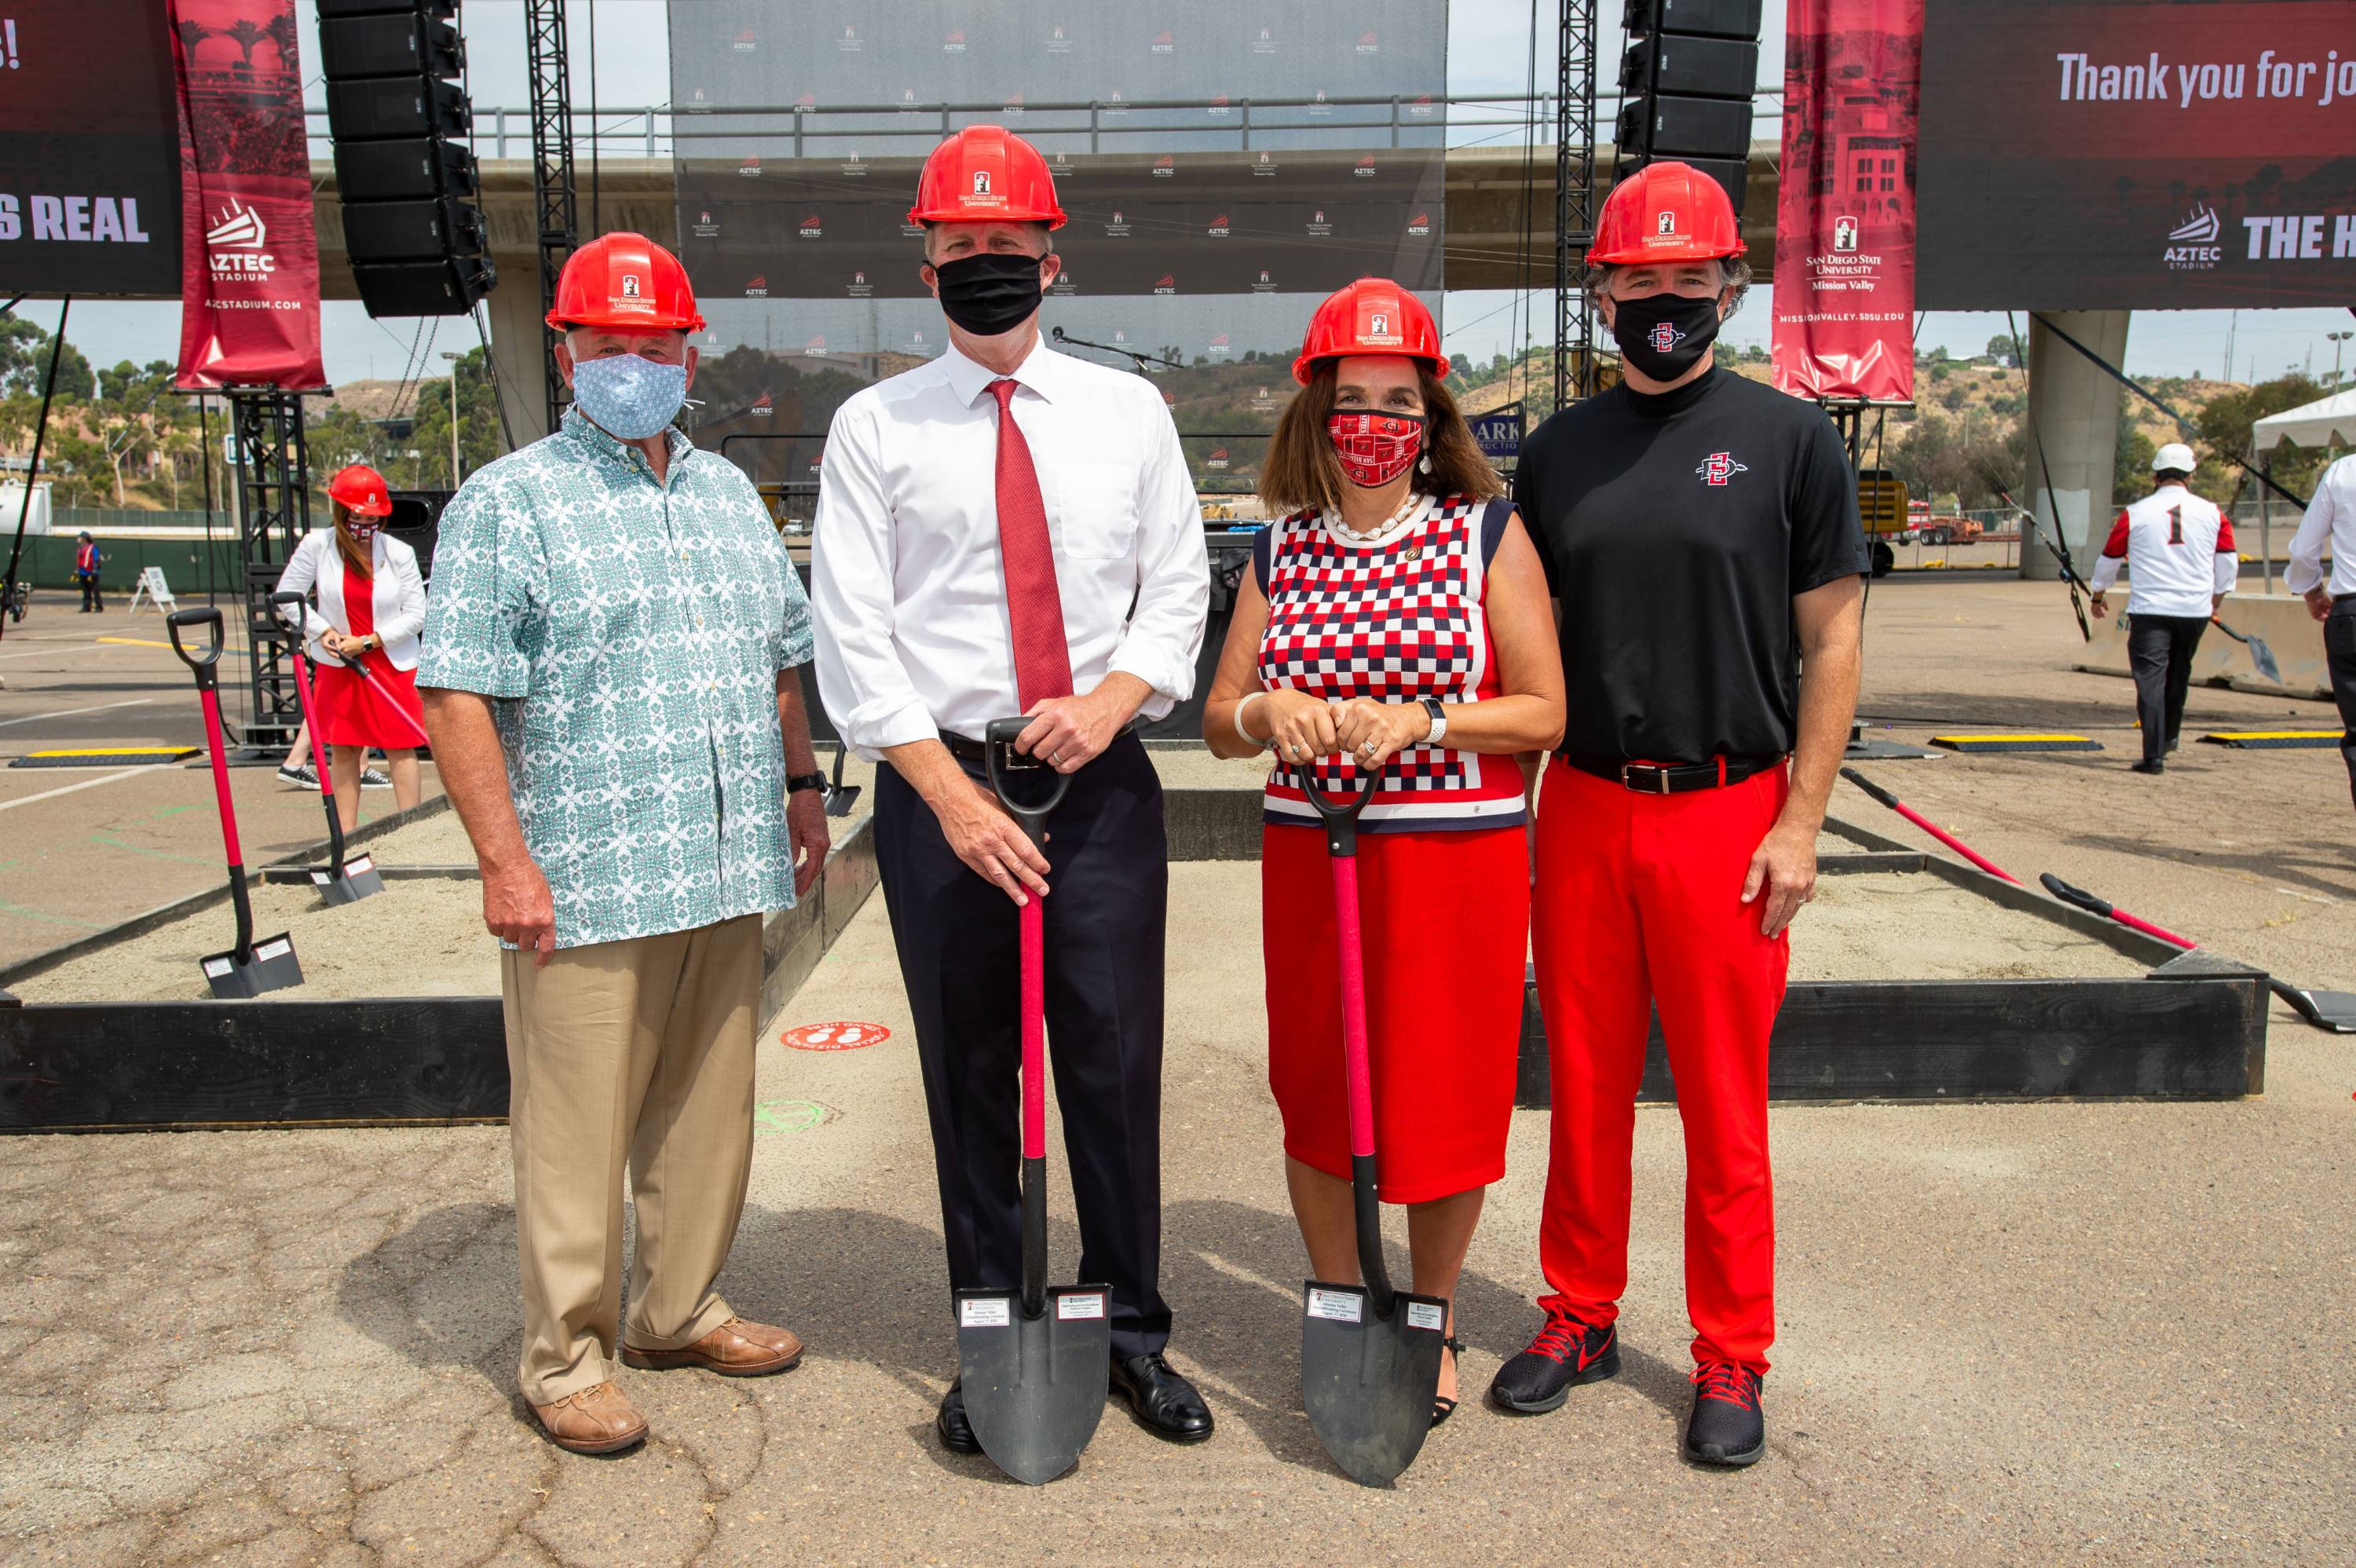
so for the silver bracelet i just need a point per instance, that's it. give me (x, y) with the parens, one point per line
(1257, 743)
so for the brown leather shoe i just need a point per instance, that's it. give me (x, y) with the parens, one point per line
(737, 1349)
(598, 1419)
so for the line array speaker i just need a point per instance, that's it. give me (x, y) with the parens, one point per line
(407, 190)
(1689, 71)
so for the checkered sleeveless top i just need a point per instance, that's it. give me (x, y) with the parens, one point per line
(1397, 621)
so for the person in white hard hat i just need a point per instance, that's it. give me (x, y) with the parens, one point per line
(2179, 554)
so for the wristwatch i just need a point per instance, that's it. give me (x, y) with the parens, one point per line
(1438, 720)
(796, 782)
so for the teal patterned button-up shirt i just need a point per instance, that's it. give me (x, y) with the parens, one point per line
(631, 632)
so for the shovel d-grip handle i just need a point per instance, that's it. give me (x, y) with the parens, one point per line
(2085, 901)
(202, 660)
(1001, 760)
(1341, 817)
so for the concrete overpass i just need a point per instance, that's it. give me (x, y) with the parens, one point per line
(2072, 406)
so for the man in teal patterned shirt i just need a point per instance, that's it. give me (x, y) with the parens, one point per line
(611, 680)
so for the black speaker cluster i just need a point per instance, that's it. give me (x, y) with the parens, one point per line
(408, 192)
(1688, 72)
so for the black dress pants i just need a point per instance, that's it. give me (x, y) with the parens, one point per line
(960, 949)
(89, 599)
(2159, 652)
(2339, 657)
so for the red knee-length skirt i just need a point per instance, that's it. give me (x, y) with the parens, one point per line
(1444, 919)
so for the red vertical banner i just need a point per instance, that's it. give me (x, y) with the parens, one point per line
(249, 254)
(1845, 219)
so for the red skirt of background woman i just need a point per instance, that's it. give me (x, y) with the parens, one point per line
(349, 711)
(1444, 918)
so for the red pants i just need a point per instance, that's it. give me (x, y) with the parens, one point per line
(1639, 905)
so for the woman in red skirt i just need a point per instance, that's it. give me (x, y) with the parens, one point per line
(370, 605)
(1396, 621)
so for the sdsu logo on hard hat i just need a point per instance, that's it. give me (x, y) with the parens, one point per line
(982, 182)
(1667, 223)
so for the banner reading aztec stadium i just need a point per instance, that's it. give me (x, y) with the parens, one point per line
(2135, 153)
(1207, 217)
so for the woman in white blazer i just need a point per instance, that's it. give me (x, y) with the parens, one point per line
(361, 637)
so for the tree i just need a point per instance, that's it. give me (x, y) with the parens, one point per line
(2224, 427)
(2131, 472)
(1460, 364)
(2004, 349)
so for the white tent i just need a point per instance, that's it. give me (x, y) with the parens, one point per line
(2316, 425)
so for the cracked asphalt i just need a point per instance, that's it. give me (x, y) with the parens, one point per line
(2100, 1333)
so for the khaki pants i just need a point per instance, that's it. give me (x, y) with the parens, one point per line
(636, 1051)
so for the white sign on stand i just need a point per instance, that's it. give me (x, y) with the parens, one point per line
(154, 589)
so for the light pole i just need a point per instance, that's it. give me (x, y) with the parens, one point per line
(2338, 340)
(452, 360)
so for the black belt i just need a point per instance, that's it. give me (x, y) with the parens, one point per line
(1676, 778)
(965, 750)
(2340, 599)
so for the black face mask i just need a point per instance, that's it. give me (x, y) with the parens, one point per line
(1662, 335)
(990, 292)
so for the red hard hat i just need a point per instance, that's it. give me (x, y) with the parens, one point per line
(624, 280)
(1372, 316)
(1666, 212)
(984, 174)
(362, 489)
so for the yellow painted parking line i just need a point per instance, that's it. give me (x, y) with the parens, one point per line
(132, 641)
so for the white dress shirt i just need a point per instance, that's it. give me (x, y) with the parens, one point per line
(2330, 522)
(904, 571)
(396, 594)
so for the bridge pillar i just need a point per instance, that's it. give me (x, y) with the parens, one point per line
(516, 333)
(2073, 433)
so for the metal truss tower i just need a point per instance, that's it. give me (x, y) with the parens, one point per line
(553, 199)
(274, 514)
(1574, 201)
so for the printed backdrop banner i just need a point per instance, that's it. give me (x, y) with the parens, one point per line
(1845, 216)
(89, 193)
(2111, 155)
(249, 255)
(1225, 164)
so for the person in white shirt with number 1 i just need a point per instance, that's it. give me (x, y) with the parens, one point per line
(2179, 552)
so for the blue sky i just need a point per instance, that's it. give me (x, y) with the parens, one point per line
(1488, 52)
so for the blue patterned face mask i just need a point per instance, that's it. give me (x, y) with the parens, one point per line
(628, 395)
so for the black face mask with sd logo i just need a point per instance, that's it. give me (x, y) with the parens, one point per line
(1662, 335)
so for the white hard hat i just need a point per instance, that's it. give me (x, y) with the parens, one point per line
(2175, 457)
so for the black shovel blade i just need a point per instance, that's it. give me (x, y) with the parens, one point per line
(1035, 1387)
(2333, 1010)
(839, 800)
(356, 880)
(1368, 1382)
(272, 967)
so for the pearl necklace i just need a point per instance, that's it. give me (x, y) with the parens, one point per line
(1412, 501)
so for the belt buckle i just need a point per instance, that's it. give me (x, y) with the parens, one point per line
(1660, 776)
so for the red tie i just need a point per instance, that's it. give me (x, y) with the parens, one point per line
(1043, 661)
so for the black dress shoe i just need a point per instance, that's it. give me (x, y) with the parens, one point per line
(1165, 1403)
(956, 1432)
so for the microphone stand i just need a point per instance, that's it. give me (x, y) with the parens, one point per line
(1141, 360)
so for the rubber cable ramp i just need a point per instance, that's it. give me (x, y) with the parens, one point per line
(2272, 740)
(2016, 743)
(104, 757)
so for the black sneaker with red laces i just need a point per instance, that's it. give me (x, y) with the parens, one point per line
(1727, 1426)
(1568, 1351)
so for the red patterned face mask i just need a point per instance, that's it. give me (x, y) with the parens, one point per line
(1375, 448)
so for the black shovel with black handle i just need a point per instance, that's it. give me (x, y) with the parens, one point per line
(1034, 1362)
(1369, 1354)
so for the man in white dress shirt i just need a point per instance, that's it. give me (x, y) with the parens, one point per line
(1007, 531)
(2331, 527)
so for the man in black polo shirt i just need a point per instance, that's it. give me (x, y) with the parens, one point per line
(1701, 536)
